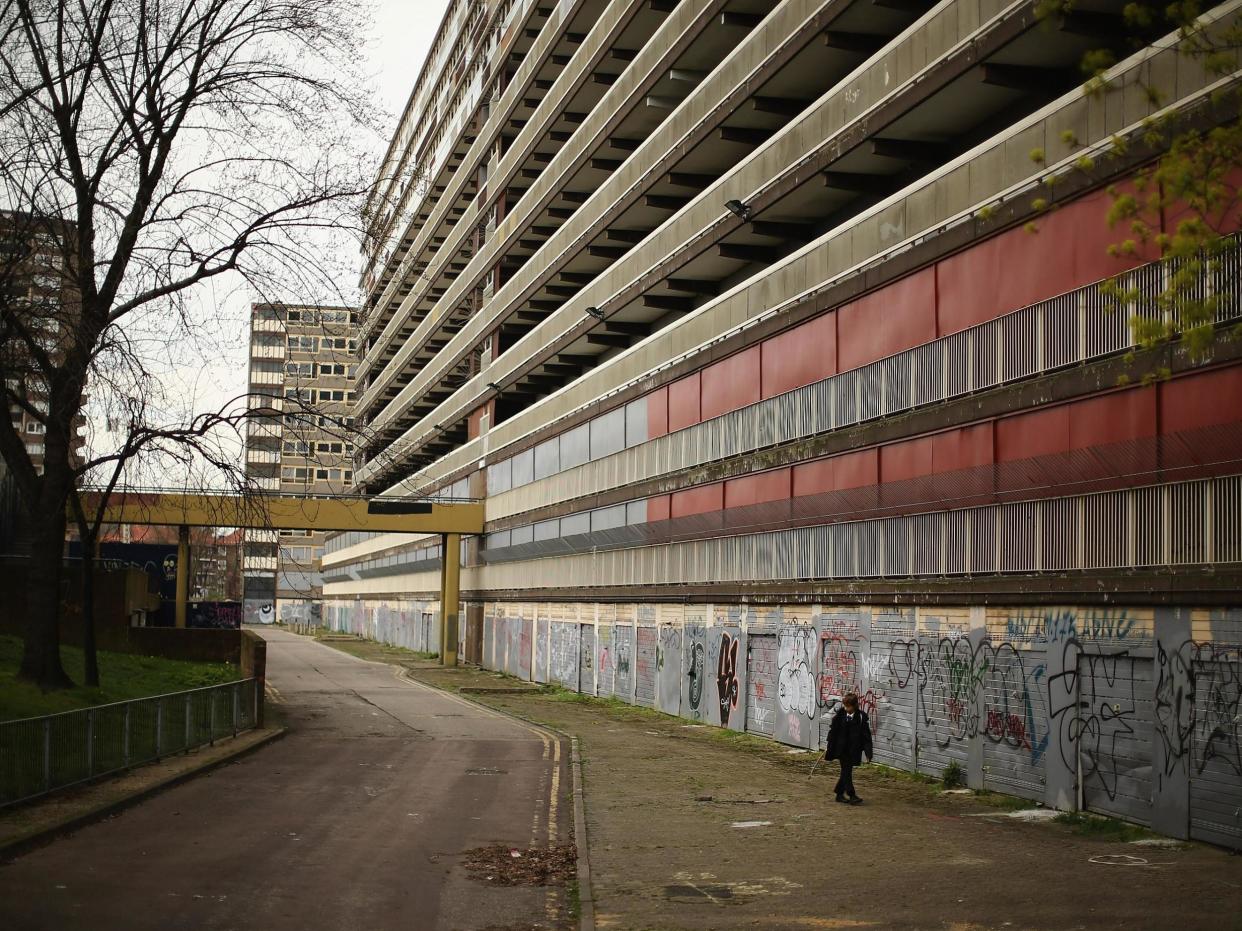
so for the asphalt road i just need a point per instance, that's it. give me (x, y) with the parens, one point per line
(357, 819)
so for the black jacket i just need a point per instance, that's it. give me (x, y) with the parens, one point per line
(848, 741)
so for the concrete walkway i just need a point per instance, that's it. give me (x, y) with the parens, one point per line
(357, 819)
(692, 827)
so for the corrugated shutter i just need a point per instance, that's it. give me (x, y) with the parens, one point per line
(1014, 728)
(668, 669)
(489, 643)
(696, 697)
(1116, 711)
(944, 704)
(645, 660)
(564, 654)
(761, 650)
(542, 645)
(525, 630)
(606, 667)
(623, 662)
(726, 677)
(894, 682)
(1216, 758)
(586, 659)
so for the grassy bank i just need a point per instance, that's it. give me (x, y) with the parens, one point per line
(123, 677)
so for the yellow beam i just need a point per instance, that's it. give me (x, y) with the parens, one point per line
(286, 512)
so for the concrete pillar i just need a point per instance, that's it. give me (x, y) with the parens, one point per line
(450, 597)
(978, 700)
(1173, 704)
(183, 574)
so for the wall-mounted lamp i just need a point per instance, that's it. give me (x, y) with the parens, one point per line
(738, 208)
(595, 312)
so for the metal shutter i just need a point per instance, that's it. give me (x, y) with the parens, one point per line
(761, 681)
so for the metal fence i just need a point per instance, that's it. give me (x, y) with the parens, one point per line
(41, 755)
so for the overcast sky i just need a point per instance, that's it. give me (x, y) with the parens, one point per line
(403, 31)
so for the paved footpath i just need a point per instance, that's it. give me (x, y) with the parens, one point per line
(356, 820)
(692, 827)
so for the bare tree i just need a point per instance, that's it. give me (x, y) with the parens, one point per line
(148, 147)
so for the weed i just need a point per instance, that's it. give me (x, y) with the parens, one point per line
(999, 800)
(951, 776)
(1102, 827)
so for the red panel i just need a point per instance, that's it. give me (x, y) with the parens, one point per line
(1086, 225)
(1068, 249)
(657, 413)
(814, 478)
(756, 489)
(698, 500)
(1038, 433)
(1202, 400)
(683, 403)
(966, 286)
(1228, 219)
(857, 469)
(475, 419)
(657, 508)
(964, 448)
(730, 383)
(1113, 418)
(894, 318)
(800, 356)
(907, 459)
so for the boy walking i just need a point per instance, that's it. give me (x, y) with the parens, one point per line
(849, 737)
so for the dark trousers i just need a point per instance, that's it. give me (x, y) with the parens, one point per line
(845, 785)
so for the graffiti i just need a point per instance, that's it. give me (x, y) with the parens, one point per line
(218, 615)
(668, 669)
(795, 684)
(563, 654)
(695, 672)
(1008, 727)
(726, 678)
(670, 641)
(1199, 705)
(761, 677)
(1102, 720)
(260, 612)
(1219, 690)
(967, 690)
(623, 658)
(838, 669)
(1065, 625)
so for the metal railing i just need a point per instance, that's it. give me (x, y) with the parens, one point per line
(42, 755)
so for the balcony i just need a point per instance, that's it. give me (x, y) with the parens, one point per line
(263, 430)
(267, 378)
(262, 457)
(261, 351)
(267, 326)
(265, 403)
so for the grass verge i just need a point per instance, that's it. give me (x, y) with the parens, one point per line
(123, 676)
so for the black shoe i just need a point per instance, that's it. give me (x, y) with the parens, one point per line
(841, 799)
(855, 800)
